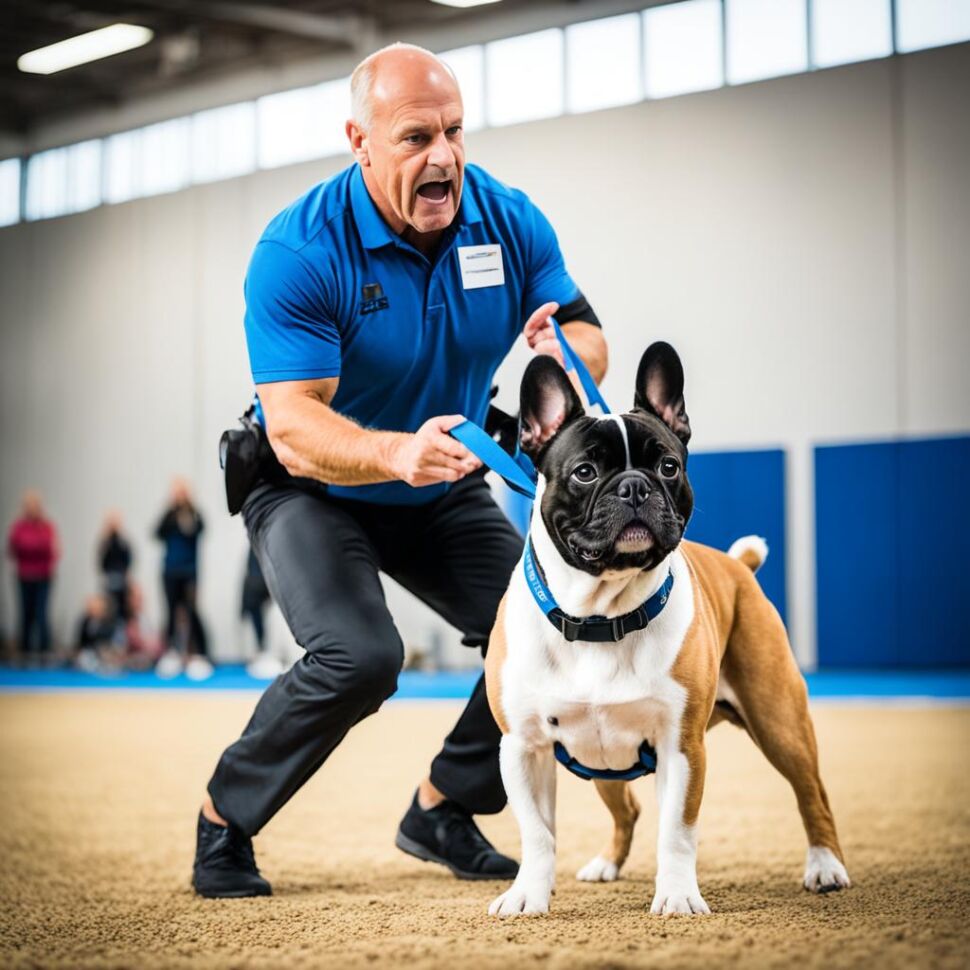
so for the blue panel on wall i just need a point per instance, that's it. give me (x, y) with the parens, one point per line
(892, 532)
(738, 493)
(932, 546)
(855, 555)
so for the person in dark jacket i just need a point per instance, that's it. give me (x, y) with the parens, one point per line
(114, 561)
(180, 528)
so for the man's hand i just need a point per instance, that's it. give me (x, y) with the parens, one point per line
(541, 335)
(431, 455)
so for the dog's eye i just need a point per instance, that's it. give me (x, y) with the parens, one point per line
(585, 473)
(669, 467)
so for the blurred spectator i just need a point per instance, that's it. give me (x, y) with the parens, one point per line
(143, 646)
(180, 528)
(96, 631)
(33, 546)
(255, 596)
(114, 561)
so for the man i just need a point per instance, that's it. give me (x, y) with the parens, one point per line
(379, 307)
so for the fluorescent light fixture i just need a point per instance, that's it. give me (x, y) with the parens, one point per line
(91, 46)
(464, 3)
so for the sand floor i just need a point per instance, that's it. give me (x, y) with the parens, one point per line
(98, 794)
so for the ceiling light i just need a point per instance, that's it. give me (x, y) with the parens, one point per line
(91, 46)
(464, 3)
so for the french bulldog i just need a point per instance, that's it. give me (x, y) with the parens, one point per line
(619, 644)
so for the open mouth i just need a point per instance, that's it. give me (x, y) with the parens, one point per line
(635, 537)
(436, 193)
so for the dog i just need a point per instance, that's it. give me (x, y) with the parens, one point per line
(618, 643)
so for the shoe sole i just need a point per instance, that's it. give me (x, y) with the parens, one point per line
(423, 853)
(239, 894)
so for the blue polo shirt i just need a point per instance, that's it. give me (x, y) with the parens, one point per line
(332, 291)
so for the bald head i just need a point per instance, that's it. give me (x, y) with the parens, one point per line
(394, 72)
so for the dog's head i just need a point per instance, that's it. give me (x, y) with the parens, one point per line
(616, 494)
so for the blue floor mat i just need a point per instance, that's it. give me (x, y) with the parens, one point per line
(869, 684)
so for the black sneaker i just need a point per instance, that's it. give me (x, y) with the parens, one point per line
(224, 863)
(447, 834)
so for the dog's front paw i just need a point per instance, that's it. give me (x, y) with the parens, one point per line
(599, 869)
(823, 871)
(520, 900)
(673, 901)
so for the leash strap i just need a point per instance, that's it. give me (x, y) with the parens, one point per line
(492, 455)
(574, 362)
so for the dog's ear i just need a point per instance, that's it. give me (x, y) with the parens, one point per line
(548, 402)
(660, 388)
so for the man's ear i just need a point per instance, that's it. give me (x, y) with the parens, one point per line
(660, 388)
(548, 402)
(357, 138)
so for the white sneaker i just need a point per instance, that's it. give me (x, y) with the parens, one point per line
(264, 667)
(169, 665)
(198, 668)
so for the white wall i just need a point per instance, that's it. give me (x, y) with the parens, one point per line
(801, 241)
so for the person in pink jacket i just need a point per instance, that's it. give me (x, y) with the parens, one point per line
(34, 548)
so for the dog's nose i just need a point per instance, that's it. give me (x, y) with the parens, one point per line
(633, 489)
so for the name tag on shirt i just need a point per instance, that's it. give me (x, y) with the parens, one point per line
(481, 266)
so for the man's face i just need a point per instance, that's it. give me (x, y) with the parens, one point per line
(416, 151)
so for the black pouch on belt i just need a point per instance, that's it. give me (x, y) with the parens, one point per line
(243, 454)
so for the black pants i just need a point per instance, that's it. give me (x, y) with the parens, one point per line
(180, 589)
(34, 627)
(321, 558)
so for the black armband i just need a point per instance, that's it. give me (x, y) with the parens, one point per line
(579, 309)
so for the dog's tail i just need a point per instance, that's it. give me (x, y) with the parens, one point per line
(751, 550)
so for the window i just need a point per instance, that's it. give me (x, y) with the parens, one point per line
(468, 63)
(524, 78)
(682, 48)
(64, 180)
(603, 63)
(765, 38)
(83, 176)
(120, 154)
(931, 23)
(223, 142)
(9, 191)
(296, 126)
(164, 162)
(844, 31)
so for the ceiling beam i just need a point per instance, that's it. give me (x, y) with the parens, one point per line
(343, 31)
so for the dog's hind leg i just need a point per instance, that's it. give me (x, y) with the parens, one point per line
(625, 809)
(759, 666)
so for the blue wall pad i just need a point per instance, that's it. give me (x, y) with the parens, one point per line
(736, 493)
(951, 685)
(892, 535)
(739, 493)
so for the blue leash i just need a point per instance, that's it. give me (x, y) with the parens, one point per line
(517, 471)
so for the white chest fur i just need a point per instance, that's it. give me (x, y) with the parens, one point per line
(599, 700)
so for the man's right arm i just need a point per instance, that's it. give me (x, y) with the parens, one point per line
(311, 440)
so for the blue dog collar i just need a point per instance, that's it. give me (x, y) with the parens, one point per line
(595, 629)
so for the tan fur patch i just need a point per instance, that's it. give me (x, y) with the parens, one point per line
(494, 662)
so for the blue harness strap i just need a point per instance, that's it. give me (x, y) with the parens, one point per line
(647, 765)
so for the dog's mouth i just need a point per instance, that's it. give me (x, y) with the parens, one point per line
(635, 537)
(436, 193)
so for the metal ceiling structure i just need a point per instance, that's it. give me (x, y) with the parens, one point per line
(195, 40)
